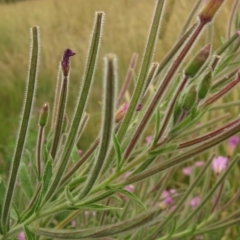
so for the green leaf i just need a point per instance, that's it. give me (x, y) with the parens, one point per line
(47, 176)
(69, 195)
(128, 194)
(164, 149)
(118, 152)
(25, 181)
(75, 155)
(2, 194)
(93, 206)
(140, 220)
(29, 234)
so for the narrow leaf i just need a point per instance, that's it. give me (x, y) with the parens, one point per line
(24, 125)
(25, 181)
(118, 151)
(128, 194)
(29, 234)
(94, 207)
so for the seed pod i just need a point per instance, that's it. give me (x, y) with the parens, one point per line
(44, 115)
(205, 85)
(197, 62)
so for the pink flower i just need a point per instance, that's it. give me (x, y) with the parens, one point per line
(219, 164)
(238, 32)
(199, 163)
(148, 140)
(233, 141)
(187, 171)
(73, 223)
(195, 201)
(129, 188)
(21, 236)
(166, 196)
(80, 152)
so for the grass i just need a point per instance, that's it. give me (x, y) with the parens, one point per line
(67, 24)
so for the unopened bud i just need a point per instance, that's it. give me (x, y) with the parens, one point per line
(205, 85)
(209, 10)
(189, 99)
(65, 61)
(121, 112)
(197, 62)
(44, 115)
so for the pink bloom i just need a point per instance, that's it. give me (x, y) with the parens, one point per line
(233, 141)
(195, 201)
(21, 236)
(166, 196)
(199, 163)
(148, 140)
(219, 164)
(238, 32)
(187, 171)
(73, 223)
(129, 188)
(80, 152)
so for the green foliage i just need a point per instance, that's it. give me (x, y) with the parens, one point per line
(122, 187)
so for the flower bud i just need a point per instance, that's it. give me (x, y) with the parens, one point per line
(44, 115)
(209, 10)
(121, 112)
(205, 85)
(189, 99)
(197, 62)
(65, 61)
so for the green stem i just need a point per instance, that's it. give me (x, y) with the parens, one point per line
(166, 81)
(60, 116)
(184, 156)
(28, 104)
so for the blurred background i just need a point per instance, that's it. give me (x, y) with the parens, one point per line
(68, 24)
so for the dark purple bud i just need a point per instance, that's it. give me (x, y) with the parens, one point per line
(139, 107)
(65, 61)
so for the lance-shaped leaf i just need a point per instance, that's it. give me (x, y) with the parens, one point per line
(107, 123)
(24, 124)
(25, 181)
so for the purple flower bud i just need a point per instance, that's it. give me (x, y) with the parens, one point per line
(195, 201)
(121, 112)
(219, 164)
(139, 107)
(65, 61)
(80, 152)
